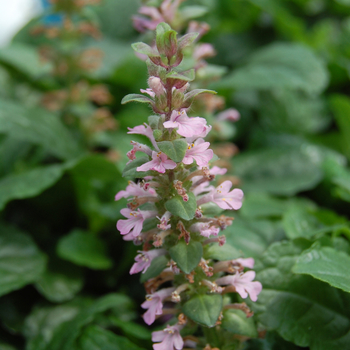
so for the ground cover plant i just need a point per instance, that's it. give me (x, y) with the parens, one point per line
(280, 125)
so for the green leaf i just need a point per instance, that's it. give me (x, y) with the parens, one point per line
(187, 40)
(136, 98)
(25, 59)
(341, 108)
(187, 75)
(192, 94)
(130, 169)
(301, 309)
(157, 266)
(226, 252)
(132, 329)
(325, 264)
(145, 49)
(29, 183)
(178, 207)
(84, 249)
(60, 282)
(38, 126)
(187, 256)
(306, 221)
(21, 262)
(64, 337)
(204, 309)
(97, 338)
(279, 66)
(175, 150)
(236, 322)
(278, 170)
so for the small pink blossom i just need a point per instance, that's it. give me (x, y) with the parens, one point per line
(159, 162)
(206, 229)
(170, 338)
(148, 91)
(134, 221)
(136, 190)
(243, 283)
(229, 114)
(249, 262)
(144, 130)
(154, 304)
(156, 85)
(138, 147)
(203, 187)
(144, 259)
(223, 198)
(187, 127)
(199, 152)
(203, 51)
(215, 170)
(163, 225)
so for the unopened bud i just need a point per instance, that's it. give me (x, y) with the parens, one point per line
(156, 85)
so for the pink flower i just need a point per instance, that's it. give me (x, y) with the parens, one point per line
(230, 115)
(223, 198)
(249, 262)
(144, 130)
(243, 283)
(134, 222)
(159, 162)
(215, 170)
(205, 229)
(156, 85)
(199, 152)
(144, 259)
(163, 225)
(187, 127)
(170, 338)
(138, 147)
(203, 187)
(203, 51)
(154, 304)
(136, 190)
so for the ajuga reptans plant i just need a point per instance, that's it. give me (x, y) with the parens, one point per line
(168, 212)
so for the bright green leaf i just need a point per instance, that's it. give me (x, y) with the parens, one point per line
(237, 322)
(327, 265)
(175, 150)
(136, 98)
(188, 75)
(84, 249)
(178, 207)
(186, 256)
(204, 309)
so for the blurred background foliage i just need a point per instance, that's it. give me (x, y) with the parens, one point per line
(64, 267)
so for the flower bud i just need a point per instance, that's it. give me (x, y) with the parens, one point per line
(156, 85)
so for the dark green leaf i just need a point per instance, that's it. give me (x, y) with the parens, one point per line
(204, 309)
(178, 207)
(157, 266)
(60, 282)
(21, 262)
(237, 322)
(130, 169)
(280, 66)
(175, 150)
(278, 170)
(136, 98)
(226, 252)
(29, 183)
(84, 249)
(132, 329)
(341, 108)
(300, 308)
(96, 338)
(327, 265)
(39, 127)
(187, 256)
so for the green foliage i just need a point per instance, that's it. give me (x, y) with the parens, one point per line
(175, 150)
(204, 309)
(185, 210)
(237, 322)
(21, 262)
(84, 249)
(186, 256)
